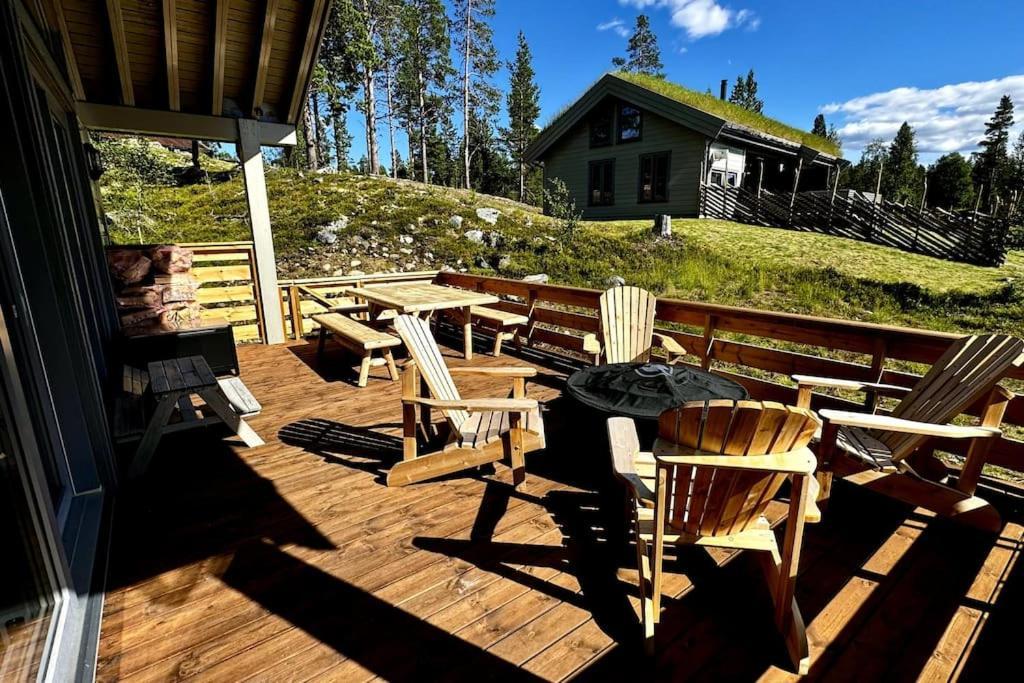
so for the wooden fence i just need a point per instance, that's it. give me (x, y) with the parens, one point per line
(872, 345)
(228, 286)
(960, 236)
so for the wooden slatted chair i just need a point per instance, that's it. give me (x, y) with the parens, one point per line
(878, 448)
(715, 468)
(479, 431)
(626, 333)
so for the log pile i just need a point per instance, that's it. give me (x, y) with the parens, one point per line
(154, 289)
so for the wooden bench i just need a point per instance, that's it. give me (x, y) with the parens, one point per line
(360, 339)
(506, 324)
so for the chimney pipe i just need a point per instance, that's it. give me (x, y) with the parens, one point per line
(722, 88)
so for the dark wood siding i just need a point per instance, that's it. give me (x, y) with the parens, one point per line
(569, 159)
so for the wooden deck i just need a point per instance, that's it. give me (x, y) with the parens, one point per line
(294, 562)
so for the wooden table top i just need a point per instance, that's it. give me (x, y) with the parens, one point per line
(180, 374)
(414, 298)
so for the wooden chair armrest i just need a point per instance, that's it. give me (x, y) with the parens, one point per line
(478, 405)
(625, 446)
(591, 344)
(829, 382)
(668, 343)
(894, 424)
(496, 372)
(800, 461)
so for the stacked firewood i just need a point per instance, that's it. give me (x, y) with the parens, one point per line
(154, 290)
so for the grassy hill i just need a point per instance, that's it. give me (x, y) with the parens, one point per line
(382, 224)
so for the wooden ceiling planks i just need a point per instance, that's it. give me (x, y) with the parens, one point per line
(192, 56)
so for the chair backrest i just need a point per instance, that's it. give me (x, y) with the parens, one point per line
(627, 323)
(964, 374)
(705, 501)
(415, 334)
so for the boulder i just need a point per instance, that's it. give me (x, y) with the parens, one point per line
(488, 215)
(615, 281)
(539, 278)
(504, 262)
(326, 236)
(494, 239)
(455, 221)
(476, 236)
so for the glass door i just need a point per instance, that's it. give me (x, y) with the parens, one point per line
(28, 585)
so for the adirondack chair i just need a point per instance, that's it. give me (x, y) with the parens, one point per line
(888, 453)
(477, 431)
(714, 470)
(626, 332)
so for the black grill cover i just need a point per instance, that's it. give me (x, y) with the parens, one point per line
(646, 390)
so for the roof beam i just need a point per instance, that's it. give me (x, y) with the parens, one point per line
(69, 52)
(124, 72)
(171, 55)
(175, 124)
(310, 47)
(263, 61)
(220, 35)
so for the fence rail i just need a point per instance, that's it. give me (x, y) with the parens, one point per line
(960, 236)
(228, 286)
(876, 344)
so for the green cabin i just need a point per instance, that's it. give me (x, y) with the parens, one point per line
(635, 146)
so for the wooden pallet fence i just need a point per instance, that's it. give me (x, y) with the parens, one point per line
(303, 298)
(228, 286)
(560, 329)
(960, 236)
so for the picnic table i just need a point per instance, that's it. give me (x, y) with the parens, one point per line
(423, 300)
(172, 383)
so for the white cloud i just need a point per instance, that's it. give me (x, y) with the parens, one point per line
(700, 18)
(950, 118)
(616, 25)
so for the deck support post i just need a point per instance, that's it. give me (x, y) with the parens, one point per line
(251, 158)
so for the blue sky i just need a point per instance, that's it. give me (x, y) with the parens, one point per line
(868, 65)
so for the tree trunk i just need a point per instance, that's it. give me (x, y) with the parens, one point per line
(338, 124)
(370, 109)
(389, 87)
(522, 178)
(309, 137)
(467, 66)
(318, 130)
(423, 127)
(195, 156)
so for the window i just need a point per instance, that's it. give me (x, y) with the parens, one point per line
(601, 127)
(732, 179)
(602, 183)
(630, 123)
(718, 178)
(654, 170)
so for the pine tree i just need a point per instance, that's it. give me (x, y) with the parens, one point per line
(863, 176)
(949, 183)
(423, 75)
(523, 103)
(474, 38)
(738, 95)
(820, 129)
(744, 93)
(388, 48)
(901, 179)
(992, 166)
(345, 51)
(643, 56)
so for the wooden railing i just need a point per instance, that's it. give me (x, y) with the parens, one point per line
(751, 364)
(229, 288)
(303, 298)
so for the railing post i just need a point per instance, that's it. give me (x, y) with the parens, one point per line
(877, 368)
(531, 304)
(296, 311)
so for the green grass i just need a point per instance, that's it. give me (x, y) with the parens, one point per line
(706, 260)
(729, 111)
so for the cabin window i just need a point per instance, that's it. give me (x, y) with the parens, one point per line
(602, 183)
(654, 169)
(601, 127)
(630, 123)
(718, 178)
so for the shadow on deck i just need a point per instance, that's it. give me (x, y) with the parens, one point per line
(293, 561)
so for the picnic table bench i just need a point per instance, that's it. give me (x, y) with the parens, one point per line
(359, 338)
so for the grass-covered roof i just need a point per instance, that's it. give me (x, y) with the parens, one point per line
(729, 111)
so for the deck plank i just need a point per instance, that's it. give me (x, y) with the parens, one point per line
(293, 561)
